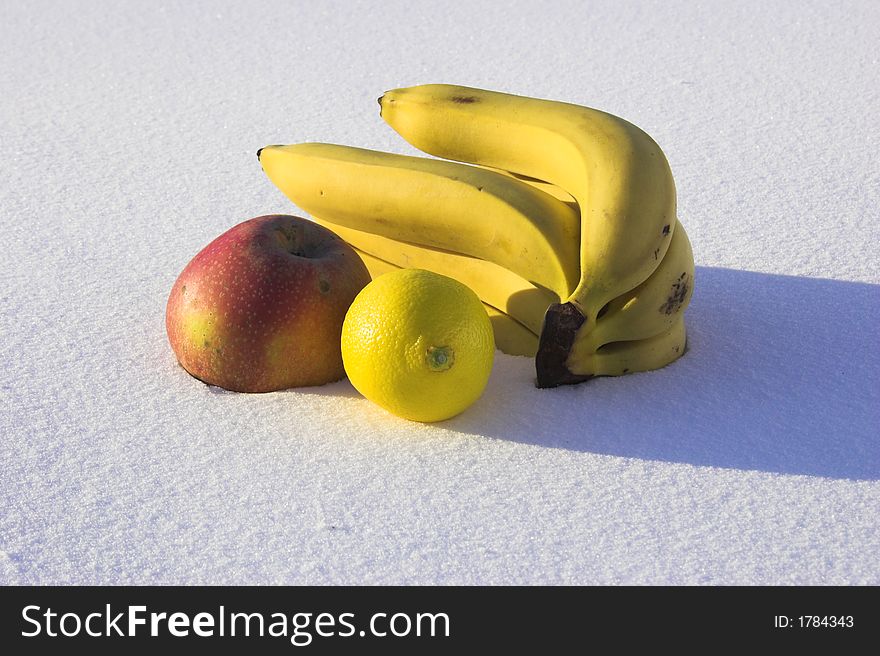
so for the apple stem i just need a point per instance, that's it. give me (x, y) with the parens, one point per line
(292, 238)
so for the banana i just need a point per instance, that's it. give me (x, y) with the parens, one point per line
(557, 192)
(429, 202)
(649, 309)
(495, 285)
(619, 358)
(617, 174)
(511, 337)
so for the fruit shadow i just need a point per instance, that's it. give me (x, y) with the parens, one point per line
(341, 388)
(782, 375)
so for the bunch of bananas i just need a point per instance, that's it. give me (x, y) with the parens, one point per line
(561, 218)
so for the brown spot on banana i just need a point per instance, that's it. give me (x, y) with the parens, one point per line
(677, 295)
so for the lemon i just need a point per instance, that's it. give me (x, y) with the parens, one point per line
(418, 344)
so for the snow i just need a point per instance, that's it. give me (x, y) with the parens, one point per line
(128, 141)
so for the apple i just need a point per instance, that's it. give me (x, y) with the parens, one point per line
(261, 307)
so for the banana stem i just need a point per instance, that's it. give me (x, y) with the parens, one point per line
(561, 324)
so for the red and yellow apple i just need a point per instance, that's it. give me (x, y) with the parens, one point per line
(261, 307)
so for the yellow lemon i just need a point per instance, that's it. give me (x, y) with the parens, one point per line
(418, 344)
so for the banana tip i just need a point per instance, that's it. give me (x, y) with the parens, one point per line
(260, 151)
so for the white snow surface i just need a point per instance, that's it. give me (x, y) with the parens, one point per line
(128, 134)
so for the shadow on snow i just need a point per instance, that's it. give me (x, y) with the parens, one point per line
(782, 375)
